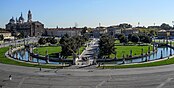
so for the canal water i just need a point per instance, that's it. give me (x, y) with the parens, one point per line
(161, 51)
(23, 55)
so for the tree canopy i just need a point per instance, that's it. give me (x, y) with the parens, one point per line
(165, 26)
(106, 45)
(125, 25)
(135, 38)
(70, 45)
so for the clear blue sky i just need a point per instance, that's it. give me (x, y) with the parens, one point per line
(65, 13)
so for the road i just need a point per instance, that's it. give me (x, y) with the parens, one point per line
(28, 77)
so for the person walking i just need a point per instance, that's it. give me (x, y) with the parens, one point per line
(10, 77)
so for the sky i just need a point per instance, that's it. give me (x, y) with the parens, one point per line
(67, 13)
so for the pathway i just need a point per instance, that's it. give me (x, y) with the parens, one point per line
(87, 57)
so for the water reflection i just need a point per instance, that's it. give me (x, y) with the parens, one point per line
(24, 56)
(165, 53)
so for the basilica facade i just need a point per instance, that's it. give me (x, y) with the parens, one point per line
(28, 28)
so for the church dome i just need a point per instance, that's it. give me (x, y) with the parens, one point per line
(21, 18)
(12, 20)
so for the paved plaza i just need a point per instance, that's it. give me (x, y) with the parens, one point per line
(27, 77)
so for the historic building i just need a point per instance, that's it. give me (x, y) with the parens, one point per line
(59, 32)
(127, 31)
(29, 28)
(114, 30)
(6, 34)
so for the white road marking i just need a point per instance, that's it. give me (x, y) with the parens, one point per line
(165, 82)
(21, 82)
(101, 83)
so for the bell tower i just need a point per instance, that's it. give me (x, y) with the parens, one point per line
(29, 16)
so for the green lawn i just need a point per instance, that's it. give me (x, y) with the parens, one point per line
(117, 42)
(52, 50)
(5, 60)
(158, 63)
(136, 50)
(82, 48)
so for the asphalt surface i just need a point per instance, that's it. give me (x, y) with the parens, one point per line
(28, 77)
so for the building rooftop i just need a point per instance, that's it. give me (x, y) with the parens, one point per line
(4, 31)
(63, 29)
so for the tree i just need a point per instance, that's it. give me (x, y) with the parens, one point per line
(165, 26)
(147, 39)
(84, 30)
(125, 25)
(70, 45)
(142, 37)
(85, 37)
(130, 37)
(42, 41)
(106, 45)
(67, 45)
(64, 39)
(123, 39)
(1, 37)
(48, 39)
(120, 35)
(135, 38)
(53, 41)
(153, 32)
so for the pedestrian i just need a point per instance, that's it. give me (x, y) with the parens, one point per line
(40, 68)
(10, 77)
